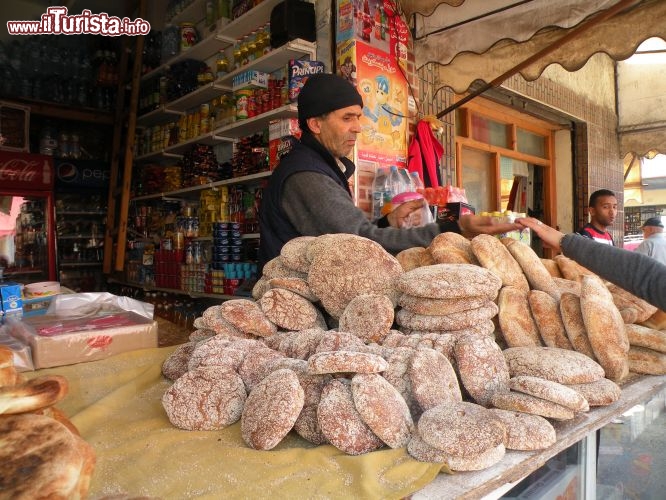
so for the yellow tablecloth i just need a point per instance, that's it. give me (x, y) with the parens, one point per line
(116, 405)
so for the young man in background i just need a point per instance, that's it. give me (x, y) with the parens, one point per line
(603, 209)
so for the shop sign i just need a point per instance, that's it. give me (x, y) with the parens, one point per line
(25, 171)
(82, 173)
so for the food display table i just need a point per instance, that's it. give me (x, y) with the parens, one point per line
(116, 405)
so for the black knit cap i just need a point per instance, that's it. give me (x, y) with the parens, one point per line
(323, 93)
(653, 222)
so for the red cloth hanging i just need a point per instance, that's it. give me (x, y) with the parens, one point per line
(424, 153)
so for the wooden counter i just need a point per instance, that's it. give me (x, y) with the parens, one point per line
(516, 465)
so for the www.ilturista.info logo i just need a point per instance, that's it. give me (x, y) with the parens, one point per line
(56, 22)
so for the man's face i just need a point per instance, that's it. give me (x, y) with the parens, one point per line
(337, 130)
(604, 211)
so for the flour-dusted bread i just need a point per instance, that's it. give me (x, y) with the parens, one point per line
(256, 365)
(450, 281)
(216, 352)
(41, 458)
(213, 319)
(433, 379)
(382, 408)
(294, 253)
(568, 286)
(439, 307)
(518, 401)
(368, 316)
(303, 344)
(246, 316)
(346, 362)
(546, 312)
(414, 257)
(452, 248)
(482, 367)
(559, 365)
(495, 257)
(307, 426)
(419, 450)
(552, 268)
(623, 299)
(397, 374)
(550, 391)
(275, 268)
(483, 460)
(515, 318)
(352, 267)
(536, 273)
(175, 365)
(453, 321)
(296, 285)
(524, 431)
(605, 328)
(341, 422)
(572, 318)
(271, 409)
(260, 287)
(204, 399)
(288, 310)
(602, 392)
(642, 336)
(570, 269)
(656, 321)
(461, 429)
(648, 361)
(629, 315)
(340, 341)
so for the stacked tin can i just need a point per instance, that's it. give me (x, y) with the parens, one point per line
(227, 243)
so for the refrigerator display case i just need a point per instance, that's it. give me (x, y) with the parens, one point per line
(27, 236)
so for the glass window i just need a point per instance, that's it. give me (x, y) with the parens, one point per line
(531, 144)
(489, 131)
(478, 179)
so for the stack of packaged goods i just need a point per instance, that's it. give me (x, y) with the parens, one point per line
(200, 166)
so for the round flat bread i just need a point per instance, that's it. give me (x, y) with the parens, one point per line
(307, 426)
(482, 367)
(346, 362)
(450, 281)
(439, 307)
(481, 461)
(369, 317)
(551, 363)
(213, 320)
(214, 352)
(452, 248)
(296, 285)
(340, 341)
(382, 408)
(271, 409)
(200, 335)
(341, 423)
(515, 318)
(414, 257)
(288, 310)
(352, 267)
(304, 343)
(256, 365)
(294, 253)
(525, 432)
(205, 399)
(453, 321)
(461, 429)
(423, 452)
(175, 365)
(495, 257)
(518, 401)
(246, 316)
(433, 379)
(397, 374)
(275, 268)
(550, 391)
(602, 392)
(260, 287)
(41, 458)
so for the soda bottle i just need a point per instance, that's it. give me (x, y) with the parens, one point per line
(417, 182)
(379, 192)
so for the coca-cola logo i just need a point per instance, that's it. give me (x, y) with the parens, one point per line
(25, 170)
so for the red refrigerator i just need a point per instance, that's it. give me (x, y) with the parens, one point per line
(27, 217)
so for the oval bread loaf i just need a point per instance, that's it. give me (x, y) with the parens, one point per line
(536, 273)
(551, 363)
(550, 391)
(524, 431)
(572, 318)
(449, 281)
(546, 312)
(482, 367)
(493, 255)
(515, 318)
(518, 401)
(602, 392)
(452, 248)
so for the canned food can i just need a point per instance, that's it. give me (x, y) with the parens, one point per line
(242, 104)
(188, 36)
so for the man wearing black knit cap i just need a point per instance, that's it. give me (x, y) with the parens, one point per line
(308, 193)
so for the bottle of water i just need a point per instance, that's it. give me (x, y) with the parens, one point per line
(379, 192)
(417, 182)
(407, 180)
(395, 185)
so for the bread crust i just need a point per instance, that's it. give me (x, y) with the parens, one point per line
(494, 256)
(452, 248)
(525, 432)
(368, 316)
(32, 395)
(515, 318)
(551, 363)
(518, 401)
(550, 391)
(572, 318)
(546, 312)
(642, 336)
(450, 281)
(346, 362)
(602, 392)
(433, 379)
(536, 273)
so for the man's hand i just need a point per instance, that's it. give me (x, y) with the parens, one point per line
(401, 215)
(472, 225)
(551, 237)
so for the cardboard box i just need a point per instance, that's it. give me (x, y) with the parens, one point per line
(453, 211)
(299, 72)
(283, 127)
(12, 303)
(250, 79)
(277, 148)
(81, 346)
(282, 135)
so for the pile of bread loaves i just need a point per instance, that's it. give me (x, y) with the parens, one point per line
(456, 383)
(42, 454)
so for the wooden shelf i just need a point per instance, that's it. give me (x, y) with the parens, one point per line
(66, 111)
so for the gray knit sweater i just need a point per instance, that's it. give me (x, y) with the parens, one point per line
(316, 205)
(639, 274)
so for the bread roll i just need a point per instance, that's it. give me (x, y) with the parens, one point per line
(515, 318)
(605, 328)
(546, 312)
(572, 318)
(495, 257)
(452, 248)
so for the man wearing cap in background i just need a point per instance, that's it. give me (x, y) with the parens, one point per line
(308, 193)
(654, 240)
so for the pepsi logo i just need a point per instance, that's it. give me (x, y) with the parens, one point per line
(67, 172)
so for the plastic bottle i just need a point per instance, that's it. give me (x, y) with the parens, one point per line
(408, 184)
(379, 192)
(395, 185)
(417, 182)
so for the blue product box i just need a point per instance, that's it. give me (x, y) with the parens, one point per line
(12, 303)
